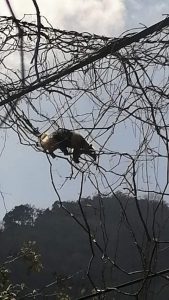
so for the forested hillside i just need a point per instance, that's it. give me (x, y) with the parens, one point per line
(72, 262)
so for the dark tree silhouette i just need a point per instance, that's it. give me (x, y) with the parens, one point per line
(20, 215)
(65, 251)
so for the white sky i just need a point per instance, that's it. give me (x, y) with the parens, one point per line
(24, 176)
(107, 17)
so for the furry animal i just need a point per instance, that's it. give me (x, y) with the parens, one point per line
(63, 139)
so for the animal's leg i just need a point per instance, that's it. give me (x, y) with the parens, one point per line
(64, 150)
(76, 155)
(89, 150)
(52, 154)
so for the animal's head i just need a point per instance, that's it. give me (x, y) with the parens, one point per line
(42, 138)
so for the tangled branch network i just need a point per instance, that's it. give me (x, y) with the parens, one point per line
(114, 91)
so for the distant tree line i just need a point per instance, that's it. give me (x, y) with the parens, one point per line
(71, 266)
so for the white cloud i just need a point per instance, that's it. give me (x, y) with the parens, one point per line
(104, 17)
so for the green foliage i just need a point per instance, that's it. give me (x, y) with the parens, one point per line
(30, 255)
(8, 289)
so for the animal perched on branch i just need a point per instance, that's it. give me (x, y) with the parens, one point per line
(63, 139)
